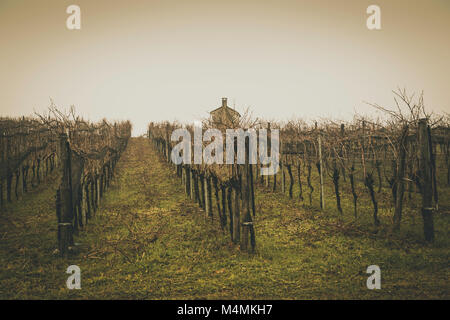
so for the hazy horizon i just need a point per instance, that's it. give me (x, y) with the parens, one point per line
(174, 60)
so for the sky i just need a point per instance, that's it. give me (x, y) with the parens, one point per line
(174, 60)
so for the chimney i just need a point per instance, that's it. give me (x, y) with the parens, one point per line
(224, 102)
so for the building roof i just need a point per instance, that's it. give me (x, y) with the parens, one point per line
(227, 109)
(224, 107)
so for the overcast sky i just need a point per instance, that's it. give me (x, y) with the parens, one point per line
(165, 60)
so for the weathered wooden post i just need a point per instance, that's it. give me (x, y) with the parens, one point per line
(65, 223)
(2, 155)
(196, 187)
(97, 192)
(247, 223)
(236, 215)
(344, 175)
(202, 190)
(261, 177)
(322, 196)
(167, 143)
(215, 185)
(180, 174)
(426, 179)
(274, 185)
(269, 145)
(187, 181)
(291, 180)
(230, 208)
(9, 174)
(400, 179)
(299, 179)
(447, 158)
(208, 204)
(252, 190)
(236, 210)
(224, 205)
(245, 208)
(283, 175)
(38, 169)
(433, 170)
(191, 179)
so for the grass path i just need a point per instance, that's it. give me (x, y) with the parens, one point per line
(148, 241)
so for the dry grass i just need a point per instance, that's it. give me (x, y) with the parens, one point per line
(148, 241)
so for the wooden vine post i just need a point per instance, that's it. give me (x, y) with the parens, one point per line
(248, 233)
(9, 174)
(65, 215)
(236, 210)
(207, 195)
(269, 146)
(191, 182)
(187, 180)
(400, 179)
(3, 159)
(283, 175)
(322, 196)
(425, 169)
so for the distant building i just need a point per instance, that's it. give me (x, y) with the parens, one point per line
(225, 115)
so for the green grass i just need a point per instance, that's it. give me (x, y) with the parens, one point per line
(147, 241)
